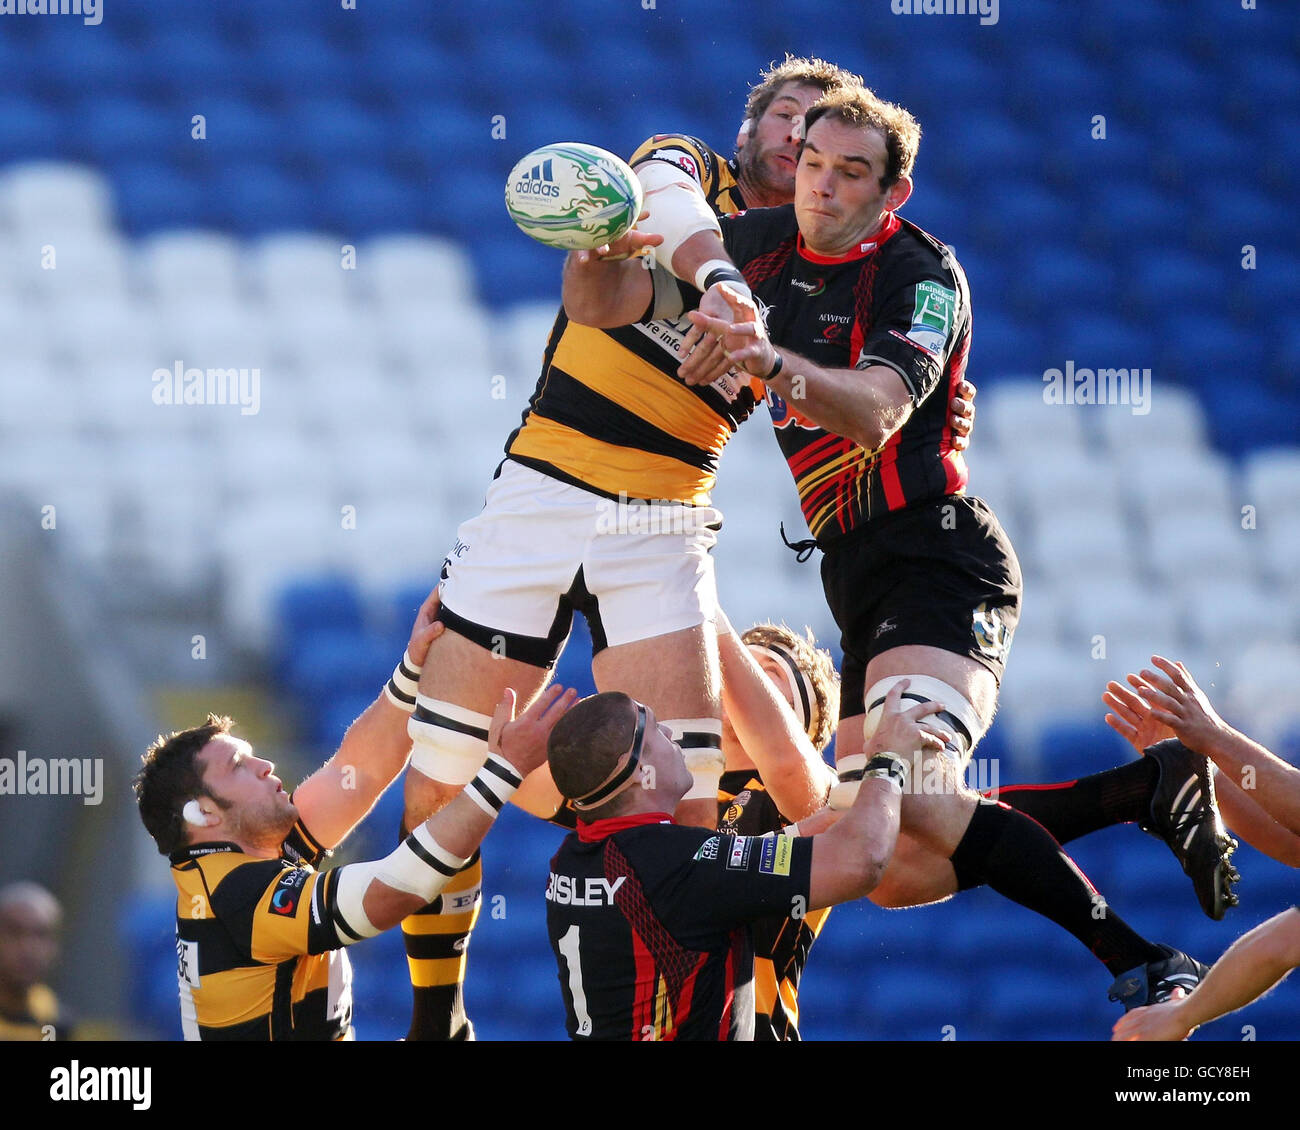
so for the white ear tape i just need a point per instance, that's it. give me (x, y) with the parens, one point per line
(195, 815)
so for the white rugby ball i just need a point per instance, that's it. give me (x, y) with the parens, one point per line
(573, 196)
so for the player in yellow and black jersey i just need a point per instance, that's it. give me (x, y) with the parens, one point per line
(259, 932)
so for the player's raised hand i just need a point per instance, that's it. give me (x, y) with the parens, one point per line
(1131, 716)
(962, 415)
(903, 731)
(522, 741)
(426, 629)
(627, 246)
(1180, 704)
(732, 318)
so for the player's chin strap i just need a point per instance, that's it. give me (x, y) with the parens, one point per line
(958, 716)
(801, 688)
(621, 777)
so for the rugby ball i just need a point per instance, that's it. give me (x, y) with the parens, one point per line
(573, 196)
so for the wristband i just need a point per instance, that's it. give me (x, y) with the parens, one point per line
(495, 784)
(889, 767)
(404, 684)
(776, 369)
(719, 270)
(849, 770)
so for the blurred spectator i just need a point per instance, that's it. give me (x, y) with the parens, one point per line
(30, 919)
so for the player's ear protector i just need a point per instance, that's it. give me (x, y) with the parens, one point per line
(193, 814)
(621, 777)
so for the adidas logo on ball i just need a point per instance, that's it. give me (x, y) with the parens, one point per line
(538, 181)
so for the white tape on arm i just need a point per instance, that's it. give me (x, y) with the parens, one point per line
(677, 208)
(420, 866)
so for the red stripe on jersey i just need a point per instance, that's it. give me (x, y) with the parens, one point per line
(682, 1010)
(647, 978)
(889, 479)
(955, 472)
(729, 986)
(816, 450)
(765, 266)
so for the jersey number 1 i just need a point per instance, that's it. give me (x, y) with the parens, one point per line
(572, 954)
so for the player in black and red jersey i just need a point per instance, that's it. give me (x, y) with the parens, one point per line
(649, 920)
(872, 316)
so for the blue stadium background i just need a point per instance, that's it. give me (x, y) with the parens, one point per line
(1126, 250)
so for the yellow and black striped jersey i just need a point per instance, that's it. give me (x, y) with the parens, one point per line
(609, 413)
(40, 1018)
(258, 953)
(781, 944)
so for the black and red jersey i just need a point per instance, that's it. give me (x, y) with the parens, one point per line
(900, 300)
(649, 922)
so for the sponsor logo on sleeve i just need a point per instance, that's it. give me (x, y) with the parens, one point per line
(932, 317)
(187, 962)
(708, 849)
(683, 161)
(776, 855)
(288, 889)
(739, 857)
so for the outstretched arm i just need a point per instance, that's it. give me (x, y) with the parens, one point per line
(609, 286)
(1180, 704)
(866, 405)
(796, 777)
(1252, 965)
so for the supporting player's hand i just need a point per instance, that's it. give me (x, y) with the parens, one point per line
(627, 246)
(1180, 704)
(902, 731)
(426, 629)
(522, 741)
(726, 332)
(962, 415)
(1154, 1022)
(1132, 718)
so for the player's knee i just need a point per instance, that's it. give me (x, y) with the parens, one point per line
(449, 744)
(959, 717)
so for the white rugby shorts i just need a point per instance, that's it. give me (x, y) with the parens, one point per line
(541, 548)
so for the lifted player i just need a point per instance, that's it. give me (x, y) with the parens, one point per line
(922, 580)
(612, 443)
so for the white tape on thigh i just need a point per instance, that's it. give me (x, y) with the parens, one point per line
(936, 690)
(449, 743)
(705, 762)
(677, 208)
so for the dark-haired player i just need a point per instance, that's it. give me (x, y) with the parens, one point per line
(869, 324)
(259, 931)
(650, 920)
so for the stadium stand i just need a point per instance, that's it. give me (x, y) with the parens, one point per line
(385, 390)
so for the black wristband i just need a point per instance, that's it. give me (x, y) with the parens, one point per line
(723, 274)
(776, 369)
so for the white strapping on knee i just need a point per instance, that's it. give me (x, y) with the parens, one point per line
(701, 742)
(926, 687)
(449, 743)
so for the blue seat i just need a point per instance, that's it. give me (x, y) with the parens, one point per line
(511, 268)
(115, 129)
(363, 202)
(253, 198)
(191, 68)
(410, 68)
(1244, 416)
(1075, 748)
(1002, 343)
(1186, 340)
(333, 133)
(302, 64)
(1067, 278)
(29, 130)
(152, 195)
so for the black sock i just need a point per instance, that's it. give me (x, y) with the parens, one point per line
(1017, 857)
(436, 938)
(1070, 809)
